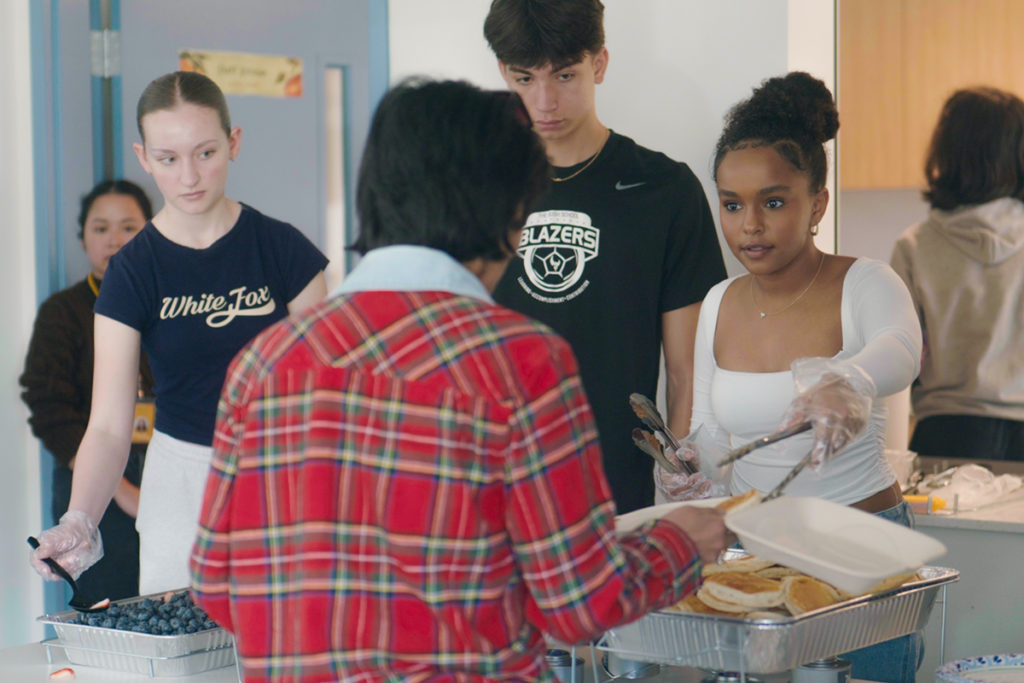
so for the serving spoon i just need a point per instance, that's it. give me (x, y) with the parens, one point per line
(78, 601)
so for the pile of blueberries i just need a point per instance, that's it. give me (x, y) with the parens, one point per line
(175, 614)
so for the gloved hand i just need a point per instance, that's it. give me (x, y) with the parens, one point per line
(74, 543)
(701, 452)
(835, 397)
(682, 486)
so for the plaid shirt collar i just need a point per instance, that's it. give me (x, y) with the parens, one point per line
(408, 268)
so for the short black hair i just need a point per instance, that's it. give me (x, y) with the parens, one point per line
(976, 153)
(448, 166)
(795, 114)
(532, 33)
(125, 187)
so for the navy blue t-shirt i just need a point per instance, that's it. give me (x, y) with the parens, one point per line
(195, 308)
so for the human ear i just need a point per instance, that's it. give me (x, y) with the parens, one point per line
(234, 143)
(140, 153)
(818, 205)
(600, 64)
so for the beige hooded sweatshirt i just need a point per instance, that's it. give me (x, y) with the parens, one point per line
(965, 272)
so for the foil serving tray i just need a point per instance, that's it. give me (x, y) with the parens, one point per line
(155, 655)
(772, 646)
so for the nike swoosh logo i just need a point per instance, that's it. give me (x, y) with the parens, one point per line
(620, 186)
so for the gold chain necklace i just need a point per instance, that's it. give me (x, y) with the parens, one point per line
(791, 303)
(586, 165)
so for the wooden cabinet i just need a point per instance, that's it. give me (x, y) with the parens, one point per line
(898, 62)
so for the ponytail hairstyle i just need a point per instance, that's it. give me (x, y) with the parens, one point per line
(182, 87)
(795, 114)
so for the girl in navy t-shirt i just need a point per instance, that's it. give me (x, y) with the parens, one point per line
(203, 277)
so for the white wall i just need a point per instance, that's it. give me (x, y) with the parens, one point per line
(21, 598)
(676, 65)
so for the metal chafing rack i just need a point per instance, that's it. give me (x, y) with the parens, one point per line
(764, 646)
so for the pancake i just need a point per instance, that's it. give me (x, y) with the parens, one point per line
(804, 593)
(894, 581)
(777, 571)
(726, 607)
(747, 590)
(746, 563)
(741, 502)
(691, 604)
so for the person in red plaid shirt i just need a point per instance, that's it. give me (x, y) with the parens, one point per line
(406, 481)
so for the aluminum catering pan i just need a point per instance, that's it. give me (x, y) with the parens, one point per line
(765, 646)
(99, 639)
(184, 665)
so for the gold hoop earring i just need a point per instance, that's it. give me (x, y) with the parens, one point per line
(814, 230)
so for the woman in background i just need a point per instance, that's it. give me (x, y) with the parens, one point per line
(57, 381)
(803, 335)
(964, 266)
(202, 278)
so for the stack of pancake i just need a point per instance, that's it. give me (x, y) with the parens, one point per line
(749, 587)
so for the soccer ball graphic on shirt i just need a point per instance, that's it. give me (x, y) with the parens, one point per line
(555, 247)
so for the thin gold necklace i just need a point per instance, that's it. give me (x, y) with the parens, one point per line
(586, 165)
(799, 296)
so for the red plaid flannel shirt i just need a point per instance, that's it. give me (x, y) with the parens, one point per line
(409, 486)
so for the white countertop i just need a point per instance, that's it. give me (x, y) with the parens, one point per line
(1007, 516)
(27, 663)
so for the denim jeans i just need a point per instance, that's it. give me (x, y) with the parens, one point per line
(896, 660)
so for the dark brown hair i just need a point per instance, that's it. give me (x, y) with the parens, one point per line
(533, 33)
(181, 87)
(795, 114)
(977, 149)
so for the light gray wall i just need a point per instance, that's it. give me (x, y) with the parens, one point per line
(871, 220)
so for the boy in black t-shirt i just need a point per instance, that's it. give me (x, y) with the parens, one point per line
(619, 253)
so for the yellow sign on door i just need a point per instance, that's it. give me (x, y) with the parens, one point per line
(241, 73)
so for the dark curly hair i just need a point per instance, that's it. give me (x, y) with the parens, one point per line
(795, 114)
(976, 153)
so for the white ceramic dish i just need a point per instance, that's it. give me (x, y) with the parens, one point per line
(631, 520)
(987, 669)
(848, 548)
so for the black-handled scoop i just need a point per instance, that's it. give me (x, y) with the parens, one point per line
(78, 601)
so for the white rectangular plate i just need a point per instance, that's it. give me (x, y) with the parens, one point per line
(848, 548)
(631, 520)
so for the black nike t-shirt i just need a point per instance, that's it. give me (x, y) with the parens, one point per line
(602, 257)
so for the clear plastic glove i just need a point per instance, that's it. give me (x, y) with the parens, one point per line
(703, 454)
(835, 397)
(74, 543)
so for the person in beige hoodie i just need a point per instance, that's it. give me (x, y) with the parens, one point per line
(964, 267)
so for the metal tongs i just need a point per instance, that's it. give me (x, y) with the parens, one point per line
(737, 453)
(650, 443)
(745, 449)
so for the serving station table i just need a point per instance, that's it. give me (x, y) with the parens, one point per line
(28, 663)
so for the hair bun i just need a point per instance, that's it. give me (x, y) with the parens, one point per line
(798, 102)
